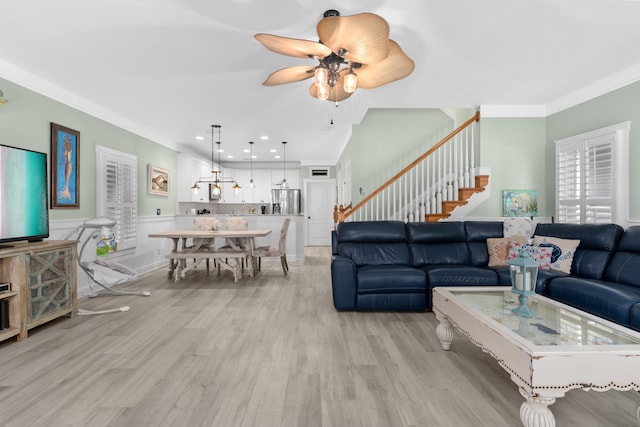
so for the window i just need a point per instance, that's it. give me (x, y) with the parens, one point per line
(116, 195)
(592, 176)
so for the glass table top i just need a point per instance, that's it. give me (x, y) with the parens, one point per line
(551, 324)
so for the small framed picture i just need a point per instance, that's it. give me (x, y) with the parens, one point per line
(519, 203)
(65, 168)
(158, 180)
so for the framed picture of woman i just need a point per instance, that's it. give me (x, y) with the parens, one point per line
(65, 167)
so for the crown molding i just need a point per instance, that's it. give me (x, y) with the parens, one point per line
(513, 111)
(38, 85)
(615, 81)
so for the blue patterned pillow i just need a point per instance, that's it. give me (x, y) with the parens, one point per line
(562, 251)
(540, 255)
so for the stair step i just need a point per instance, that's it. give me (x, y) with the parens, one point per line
(465, 193)
(449, 205)
(435, 217)
(482, 180)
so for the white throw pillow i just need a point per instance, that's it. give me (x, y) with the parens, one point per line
(518, 227)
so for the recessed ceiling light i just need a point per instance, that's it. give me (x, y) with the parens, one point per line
(254, 157)
(199, 138)
(246, 150)
(264, 137)
(220, 150)
(229, 157)
(273, 150)
(276, 156)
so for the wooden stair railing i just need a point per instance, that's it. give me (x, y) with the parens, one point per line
(342, 212)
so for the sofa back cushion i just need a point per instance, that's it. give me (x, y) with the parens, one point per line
(477, 234)
(373, 242)
(597, 244)
(624, 266)
(443, 243)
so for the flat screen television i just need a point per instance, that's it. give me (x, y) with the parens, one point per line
(24, 213)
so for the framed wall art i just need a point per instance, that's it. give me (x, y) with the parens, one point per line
(519, 203)
(158, 180)
(65, 167)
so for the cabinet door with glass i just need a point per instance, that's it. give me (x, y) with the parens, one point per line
(51, 284)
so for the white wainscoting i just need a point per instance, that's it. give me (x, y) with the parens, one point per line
(148, 254)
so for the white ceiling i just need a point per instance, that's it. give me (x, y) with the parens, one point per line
(169, 69)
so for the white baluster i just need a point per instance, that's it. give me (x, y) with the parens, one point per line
(472, 178)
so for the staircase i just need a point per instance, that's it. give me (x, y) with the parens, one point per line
(464, 194)
(430, 188)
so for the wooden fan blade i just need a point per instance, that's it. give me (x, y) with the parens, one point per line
(289, 75)
(362, 38)
(395, 67)
(293, 47)
(337, 94)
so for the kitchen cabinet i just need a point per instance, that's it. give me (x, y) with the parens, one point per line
(190, 169)
(264, 180)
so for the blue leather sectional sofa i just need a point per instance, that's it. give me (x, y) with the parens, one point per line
(393, 266)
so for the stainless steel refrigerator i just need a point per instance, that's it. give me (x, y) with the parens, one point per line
(287, 200)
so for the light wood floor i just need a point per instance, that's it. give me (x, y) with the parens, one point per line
(268, 351)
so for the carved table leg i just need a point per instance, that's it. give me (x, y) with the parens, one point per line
(638, 412)
(444, 331)
(173, 263)
(535, 412)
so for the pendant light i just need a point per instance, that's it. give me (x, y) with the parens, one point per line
(284, 165)
(251, 184)
(216, 179)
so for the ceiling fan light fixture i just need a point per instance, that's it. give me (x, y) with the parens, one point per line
(350, 81)
(323, 92)
(346, 44)
(320, 75)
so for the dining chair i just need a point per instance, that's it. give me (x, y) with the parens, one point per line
(205, 224)
(233, 243)
(276, 251)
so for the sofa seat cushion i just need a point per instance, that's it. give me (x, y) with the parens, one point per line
(390, 278)
(611, 301)
(459, 275)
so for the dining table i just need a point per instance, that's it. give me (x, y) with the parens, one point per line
(197, 245)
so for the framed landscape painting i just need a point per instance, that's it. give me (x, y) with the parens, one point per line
(65, 167)
(158, 180)
(519, 203)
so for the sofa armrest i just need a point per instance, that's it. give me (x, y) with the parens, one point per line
(343, 282)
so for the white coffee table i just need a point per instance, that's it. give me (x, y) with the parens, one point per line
(559, 349)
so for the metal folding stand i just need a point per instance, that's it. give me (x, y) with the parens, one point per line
(102, 272)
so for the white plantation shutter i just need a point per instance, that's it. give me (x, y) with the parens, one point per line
(117, 192)
(592, 176)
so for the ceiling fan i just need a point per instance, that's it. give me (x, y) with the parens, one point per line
(353, 51)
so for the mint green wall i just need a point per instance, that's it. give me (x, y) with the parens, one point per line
(387, 140)
(25, 122)
(514, 149)
(618, 106)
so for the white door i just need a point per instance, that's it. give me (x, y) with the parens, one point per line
(320, 200)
